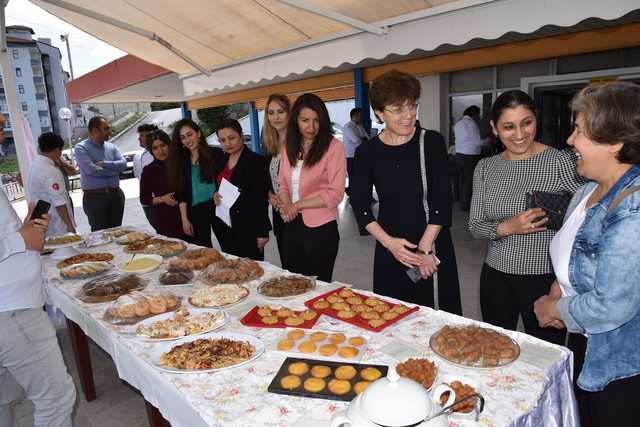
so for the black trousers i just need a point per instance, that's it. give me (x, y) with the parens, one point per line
(150, 213)
(278, 230)
(202, 218)
(232, 243)
(350, 173)
(466, 165)
(614, 405)
(310, 251)
(504, 296)
(104, 210)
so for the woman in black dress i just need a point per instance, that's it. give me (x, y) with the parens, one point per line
(409, 230)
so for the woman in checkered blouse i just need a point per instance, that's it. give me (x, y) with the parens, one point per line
(517, 268)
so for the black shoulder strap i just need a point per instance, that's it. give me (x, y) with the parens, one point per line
(622, 195)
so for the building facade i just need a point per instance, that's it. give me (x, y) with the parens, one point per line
(39, 80)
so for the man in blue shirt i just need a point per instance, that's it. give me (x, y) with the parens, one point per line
(100, 163)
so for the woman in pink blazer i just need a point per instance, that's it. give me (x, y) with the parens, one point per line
(312, 175)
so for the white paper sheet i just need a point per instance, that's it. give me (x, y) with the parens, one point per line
(230, 194)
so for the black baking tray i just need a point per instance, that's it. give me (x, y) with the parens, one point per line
(325, 393)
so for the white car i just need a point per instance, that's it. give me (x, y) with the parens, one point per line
(128, 156)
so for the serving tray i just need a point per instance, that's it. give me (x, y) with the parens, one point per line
(357, 320)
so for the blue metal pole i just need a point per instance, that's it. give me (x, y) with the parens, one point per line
(186, 114)
(362, 98)
(255, 128)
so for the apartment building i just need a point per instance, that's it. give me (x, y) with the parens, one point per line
(39, 83)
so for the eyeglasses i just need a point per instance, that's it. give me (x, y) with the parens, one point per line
(399, 112)
(107, 128)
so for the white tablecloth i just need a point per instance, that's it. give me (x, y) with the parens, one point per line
(519, 394)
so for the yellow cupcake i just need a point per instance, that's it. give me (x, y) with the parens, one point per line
(284, 312)
(354, 299)
(333, 298)
(293, 320)
(264, 310)
(345, 293)
(308, 315)
(400, 308)
(321, 304)
(369, 313)
(389, 315)
(381, 307)
(270, 319)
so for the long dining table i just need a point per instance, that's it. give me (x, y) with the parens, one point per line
(519, 394)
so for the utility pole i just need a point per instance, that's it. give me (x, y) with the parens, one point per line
(65, 38)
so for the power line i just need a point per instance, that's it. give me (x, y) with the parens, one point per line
(81, 35)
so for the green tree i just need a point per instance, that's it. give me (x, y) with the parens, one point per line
(212, 115)
(159, 106)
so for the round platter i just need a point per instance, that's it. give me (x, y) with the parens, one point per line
(163, 316)
(141, 246)
(84, 276)
(227, 295)
(128, 243)
(151, 248)
(477, 366)
(64, 245)
(154, 358)
(146, 270)
(260, 288)
(114, 232)
(85, 258)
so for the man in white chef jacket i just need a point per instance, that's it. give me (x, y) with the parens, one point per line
(30, 357)
(46, 182)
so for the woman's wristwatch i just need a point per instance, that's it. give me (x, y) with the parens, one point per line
(159, 199)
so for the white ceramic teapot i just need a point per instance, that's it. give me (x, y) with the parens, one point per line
(395, 401)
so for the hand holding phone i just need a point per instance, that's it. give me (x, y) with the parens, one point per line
(41, 208)
(414, 273)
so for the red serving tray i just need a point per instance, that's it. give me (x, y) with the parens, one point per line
(358, 321)
(252, 318)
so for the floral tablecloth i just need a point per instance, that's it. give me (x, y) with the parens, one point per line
(519, 394)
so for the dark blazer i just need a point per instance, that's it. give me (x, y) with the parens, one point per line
(250, 213)
(185, 195)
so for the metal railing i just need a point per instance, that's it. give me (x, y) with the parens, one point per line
(14, 190)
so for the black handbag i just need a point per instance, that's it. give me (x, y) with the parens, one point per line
(553, 205)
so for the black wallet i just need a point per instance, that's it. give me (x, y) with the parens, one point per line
(553, 205)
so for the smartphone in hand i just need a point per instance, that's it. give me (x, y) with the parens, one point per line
(414, 273)
(42, 208)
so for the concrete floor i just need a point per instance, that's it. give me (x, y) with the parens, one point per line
(120, 405)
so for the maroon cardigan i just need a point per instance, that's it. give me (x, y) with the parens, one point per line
(153, 183)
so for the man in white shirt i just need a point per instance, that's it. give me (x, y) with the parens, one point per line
(142, 159)
(46, 182)
(353, 134)
(30, 357)
(468, 147)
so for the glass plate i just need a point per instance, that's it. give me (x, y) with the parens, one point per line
(154, 358)
(500, 365)
(163, 316)
(260, 287)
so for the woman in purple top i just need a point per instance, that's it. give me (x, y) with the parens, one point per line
(154, 190)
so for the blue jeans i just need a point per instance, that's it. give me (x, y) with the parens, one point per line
(30, 358)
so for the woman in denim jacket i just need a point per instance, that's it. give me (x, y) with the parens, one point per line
(595, 256)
